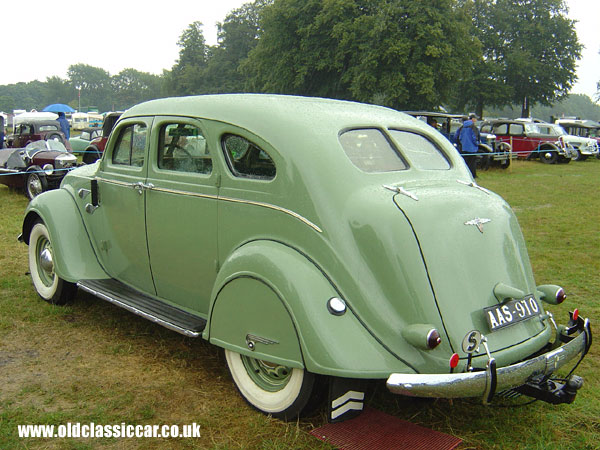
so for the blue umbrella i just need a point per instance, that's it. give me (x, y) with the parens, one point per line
(58, 107)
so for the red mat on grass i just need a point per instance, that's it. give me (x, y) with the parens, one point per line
(375, 430)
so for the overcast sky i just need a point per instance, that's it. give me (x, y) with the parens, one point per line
(43, 38)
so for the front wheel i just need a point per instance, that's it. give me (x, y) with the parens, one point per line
(46, 282)
(548, 156)
(35, 183)
(271, 388)
(484, 159)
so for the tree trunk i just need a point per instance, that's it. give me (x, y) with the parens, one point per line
(479, 108)
(525, 113)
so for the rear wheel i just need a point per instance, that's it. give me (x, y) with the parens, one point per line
(271, 388)
(54, 136)
(91, 155)
(46, 282)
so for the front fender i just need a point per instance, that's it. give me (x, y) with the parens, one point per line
(74, 258)
(328, 344)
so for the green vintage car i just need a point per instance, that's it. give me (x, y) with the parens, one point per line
(320, 243)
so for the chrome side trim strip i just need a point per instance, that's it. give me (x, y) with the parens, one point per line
(225, 199)
(139, 312)
(275, 208)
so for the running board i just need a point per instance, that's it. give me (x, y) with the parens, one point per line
(168, 316)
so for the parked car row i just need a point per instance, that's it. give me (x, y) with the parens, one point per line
(38, 155)
(319, 243)
(521, 138)
(493, 152)
(40, 166)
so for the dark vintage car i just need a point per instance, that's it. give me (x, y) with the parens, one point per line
(318, 243)
(38, 167)
(528, 141)
(94, 150)
(36, 130)
(492, 152)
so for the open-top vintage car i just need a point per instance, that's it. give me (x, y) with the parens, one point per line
(316, 241)
(40, 166)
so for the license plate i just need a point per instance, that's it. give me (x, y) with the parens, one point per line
(511, 312)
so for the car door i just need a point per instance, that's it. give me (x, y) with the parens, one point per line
(181, 212)
(118, 225)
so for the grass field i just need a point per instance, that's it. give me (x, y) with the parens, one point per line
(92, 362)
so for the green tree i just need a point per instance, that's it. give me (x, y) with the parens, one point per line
(400, 53)
(186, 76)
(238, 34)
(95, 85)
(131, 86)
(530, 51)
(58, 90)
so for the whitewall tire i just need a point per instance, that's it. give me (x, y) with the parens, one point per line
(273, 389)
(46, 282)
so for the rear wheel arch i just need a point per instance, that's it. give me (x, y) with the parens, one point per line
(327, 342)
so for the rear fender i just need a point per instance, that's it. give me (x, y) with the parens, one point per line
(275, 293)
(74, 258)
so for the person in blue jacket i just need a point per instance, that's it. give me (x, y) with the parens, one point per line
(64, 125)
(467, 138)
(1, 132)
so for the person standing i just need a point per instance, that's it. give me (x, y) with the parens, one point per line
(468, 143)
(1, 131)
(64, 125)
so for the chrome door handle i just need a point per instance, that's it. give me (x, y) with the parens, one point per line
(140, 187)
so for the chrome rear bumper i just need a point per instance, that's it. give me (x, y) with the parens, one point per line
(477, 384)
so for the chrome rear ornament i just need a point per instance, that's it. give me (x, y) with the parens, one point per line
(478, 222)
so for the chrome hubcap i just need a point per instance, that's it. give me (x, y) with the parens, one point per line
(34, 185)
(46, 262)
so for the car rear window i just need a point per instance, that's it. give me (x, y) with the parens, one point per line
(420, 151)
(370, 151)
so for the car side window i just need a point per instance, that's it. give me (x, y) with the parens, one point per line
(501, 128)
(515, 129)
(246, 159)
(130, 149)
(487, 128)
(182, 148)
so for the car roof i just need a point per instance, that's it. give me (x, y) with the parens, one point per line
(270, 114)
(436, 114)
(40, 122)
